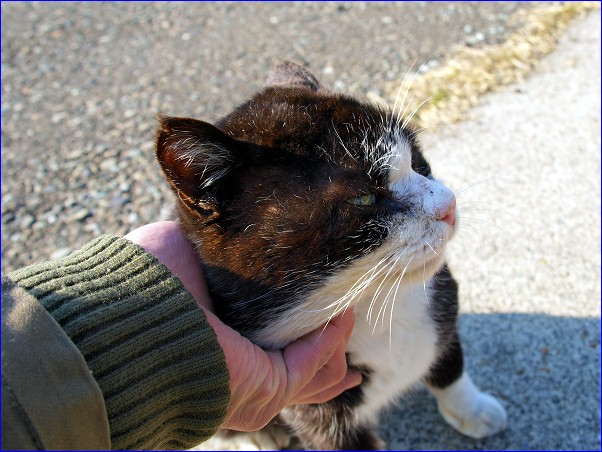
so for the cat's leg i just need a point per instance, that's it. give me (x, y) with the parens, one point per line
(333, 425)
(461, 403)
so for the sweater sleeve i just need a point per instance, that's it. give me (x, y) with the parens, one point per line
(146, 343)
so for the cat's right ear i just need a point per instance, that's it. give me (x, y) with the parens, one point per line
(291, 75)
(194, 155)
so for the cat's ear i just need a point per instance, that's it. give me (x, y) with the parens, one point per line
(291, 75)
(194, 155)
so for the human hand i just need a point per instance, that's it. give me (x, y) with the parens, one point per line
(312, 369)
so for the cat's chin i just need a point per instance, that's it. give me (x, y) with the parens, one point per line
(426, 267)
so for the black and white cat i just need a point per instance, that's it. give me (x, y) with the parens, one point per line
(303, 203)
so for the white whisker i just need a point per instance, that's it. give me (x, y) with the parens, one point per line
(379, 288)
(385, 300)
(397, 96)
(409, 118)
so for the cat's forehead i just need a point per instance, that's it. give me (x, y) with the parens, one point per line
(321, 125)
(284, 109)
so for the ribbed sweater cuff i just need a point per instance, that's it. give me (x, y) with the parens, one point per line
(147, 343)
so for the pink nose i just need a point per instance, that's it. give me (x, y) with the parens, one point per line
(448, 213)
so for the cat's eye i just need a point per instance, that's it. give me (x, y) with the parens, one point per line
(363, 200)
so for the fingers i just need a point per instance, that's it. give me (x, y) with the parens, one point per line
(329, 381)
(351, 380)
(316, 363)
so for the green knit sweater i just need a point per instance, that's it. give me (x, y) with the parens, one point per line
(145, 341)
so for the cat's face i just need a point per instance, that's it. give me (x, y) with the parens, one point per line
(297, 186)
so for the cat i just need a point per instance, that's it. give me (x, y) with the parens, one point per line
(305, 202)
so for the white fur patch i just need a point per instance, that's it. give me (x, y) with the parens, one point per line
(269, 438)
(394, 335)
(468, 410)
(398, 350)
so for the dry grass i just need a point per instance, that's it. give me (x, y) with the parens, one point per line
(468, 73)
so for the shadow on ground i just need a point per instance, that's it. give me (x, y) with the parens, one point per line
(544, 369)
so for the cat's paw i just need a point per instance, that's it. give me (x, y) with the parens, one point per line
(482, 416)
(468, 410)
(269, 438)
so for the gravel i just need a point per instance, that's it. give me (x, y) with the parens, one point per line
(81, 83)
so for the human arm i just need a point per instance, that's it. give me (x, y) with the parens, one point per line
(148, 355)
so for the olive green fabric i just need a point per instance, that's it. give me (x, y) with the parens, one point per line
(147, 344)
(46, 384)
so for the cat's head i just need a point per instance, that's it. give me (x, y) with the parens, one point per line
(300, 188)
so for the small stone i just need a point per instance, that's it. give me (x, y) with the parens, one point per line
(61, 252)
(80, 215)
(58, 117)
(94, 228)
(109, 164)
(119, 201)
(133, 218)
(27, 221)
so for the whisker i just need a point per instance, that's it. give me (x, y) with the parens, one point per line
(359, 286)
(464, 207)
(471, 228)
(432, 249)
(378, 290)
(408, 88)
(393, 302)
(385, 301)
(472, 185)
(409, 118)
(489, 223)
(397, 96)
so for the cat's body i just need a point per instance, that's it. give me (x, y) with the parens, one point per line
(303, 203)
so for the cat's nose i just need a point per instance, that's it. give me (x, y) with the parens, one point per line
(448, 212)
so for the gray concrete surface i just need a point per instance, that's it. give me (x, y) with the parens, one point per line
(80, 84)
(526, 167)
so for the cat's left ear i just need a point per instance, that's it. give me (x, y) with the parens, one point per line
(291, 75)
(194, 155)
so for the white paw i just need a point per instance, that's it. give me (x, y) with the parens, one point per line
(482, 416)
(269, 438)
(469, 410)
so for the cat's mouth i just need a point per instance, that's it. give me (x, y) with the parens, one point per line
(430, 255)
